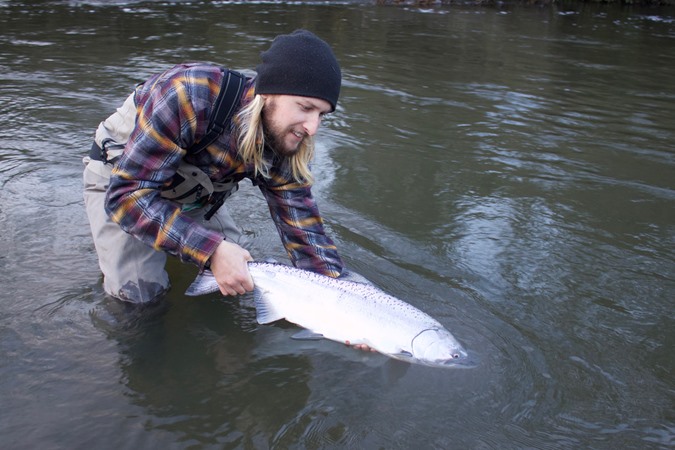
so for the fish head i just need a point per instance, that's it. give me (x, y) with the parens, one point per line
(437, 347)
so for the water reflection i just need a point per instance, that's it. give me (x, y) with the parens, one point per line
(206, 374)
(190, 368)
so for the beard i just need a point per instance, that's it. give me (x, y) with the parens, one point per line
(275, 134)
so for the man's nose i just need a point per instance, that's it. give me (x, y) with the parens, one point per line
(312, 124)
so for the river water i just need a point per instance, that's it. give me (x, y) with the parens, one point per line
(509, 171)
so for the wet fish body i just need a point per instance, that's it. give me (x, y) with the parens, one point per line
(345, 311)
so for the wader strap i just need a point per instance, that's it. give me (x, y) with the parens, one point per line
(109, 154)
(228, 98)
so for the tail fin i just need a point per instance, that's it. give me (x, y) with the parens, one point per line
(205, 283)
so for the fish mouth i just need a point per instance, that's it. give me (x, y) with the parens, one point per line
(462, 359)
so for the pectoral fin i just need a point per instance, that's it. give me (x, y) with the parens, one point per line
(402, 355)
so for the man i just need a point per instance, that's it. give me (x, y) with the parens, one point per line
(139, 207)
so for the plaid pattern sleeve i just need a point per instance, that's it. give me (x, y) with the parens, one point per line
(296, 216)
(172, 113)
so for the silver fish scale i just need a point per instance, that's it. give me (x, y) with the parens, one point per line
(350, 289)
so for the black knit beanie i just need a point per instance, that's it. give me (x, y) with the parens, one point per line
(300, 64)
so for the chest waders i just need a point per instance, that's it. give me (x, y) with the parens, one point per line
(190, 185)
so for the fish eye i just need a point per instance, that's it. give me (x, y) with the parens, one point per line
(455, 356)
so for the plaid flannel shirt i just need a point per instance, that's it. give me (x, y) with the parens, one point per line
(173, 110)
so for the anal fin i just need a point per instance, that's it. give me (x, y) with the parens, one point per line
(307, 335)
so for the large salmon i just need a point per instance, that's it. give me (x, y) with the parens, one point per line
(345, 311)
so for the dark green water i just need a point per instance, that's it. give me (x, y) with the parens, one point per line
(509, 171)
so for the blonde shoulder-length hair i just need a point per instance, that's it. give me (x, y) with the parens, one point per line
(251, 142)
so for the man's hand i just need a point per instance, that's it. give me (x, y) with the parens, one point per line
(363, 347)
(228, 264)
